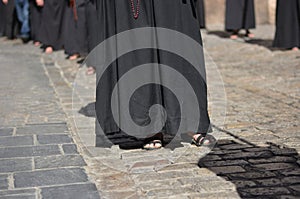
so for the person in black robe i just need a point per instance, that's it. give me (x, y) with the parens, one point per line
(10, 22)
(287, 34)
(117, 16)
(2, 21)
(35, 21)
(200, 12)
(240, 14)
(51, 30)
(93, 36)
(75, 42)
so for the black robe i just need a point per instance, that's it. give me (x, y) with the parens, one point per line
(75, 41)
(240, 14)
(200, 12)
(116, 16)
(51, 30)
(10, 23)
(287, 24)
(92, 22)
(2, 21)
(35, 20)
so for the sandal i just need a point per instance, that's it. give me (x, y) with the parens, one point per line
(49, 50)
(153, 145)
(73, 57)
(203, 140)
(249, 34)
(234, 35)
(151, 142)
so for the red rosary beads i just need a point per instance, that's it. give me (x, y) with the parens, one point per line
(135, 10)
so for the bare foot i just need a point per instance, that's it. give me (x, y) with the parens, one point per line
(249, 34)
(90, 70)
(49, 50)
(152, 145)
(295, 49)
(37, 43)
(233, 36)
(73, 57)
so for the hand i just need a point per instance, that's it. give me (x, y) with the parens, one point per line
(5, 1)
(40, 3)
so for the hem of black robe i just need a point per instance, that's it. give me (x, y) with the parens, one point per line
(287, 47)
(230, 29)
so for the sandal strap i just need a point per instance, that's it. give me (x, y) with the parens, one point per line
(156, 142)
(200, 140)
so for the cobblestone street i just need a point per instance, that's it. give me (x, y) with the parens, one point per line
(47, 129)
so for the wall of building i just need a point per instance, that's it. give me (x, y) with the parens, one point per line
(215, 11)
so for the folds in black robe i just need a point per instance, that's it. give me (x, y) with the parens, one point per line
(92, 23)
(35, 20)
(10, 24)
(116, 16)
(75, 41)
(51, 31)
(287, 24)
(200, 12)
(2, 22)
(240, 14)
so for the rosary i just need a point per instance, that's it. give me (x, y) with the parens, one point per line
(135, 10)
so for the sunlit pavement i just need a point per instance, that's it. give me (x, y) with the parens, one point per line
(257, 154)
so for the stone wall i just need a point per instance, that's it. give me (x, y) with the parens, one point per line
(215, 11)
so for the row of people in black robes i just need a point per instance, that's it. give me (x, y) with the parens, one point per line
(240, 14)
(71, 24)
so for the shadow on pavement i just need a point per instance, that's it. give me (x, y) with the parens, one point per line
(258, 172)
(88, 110)
(267, 43)
(219, 33)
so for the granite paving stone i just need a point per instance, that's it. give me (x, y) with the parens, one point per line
(29, 151)
(20, 192)
(6, 131)
(49, 177)
(16, 164)
(70, 149)
(3, 182)
(42, 129)
(54, 139)
(16, 141)
(78, 191)
(58, 161)
(20, 197)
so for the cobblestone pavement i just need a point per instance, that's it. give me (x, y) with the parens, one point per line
(38, 158)
(257, 155)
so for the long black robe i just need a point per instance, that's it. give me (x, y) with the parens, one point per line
(200, 12)
(240, 14)
(92, 23)
(75, 41)
(51, 30)
(116, 16)
(2, 21)
(10, 26)
(35, 20)
(93, 33)
(287, 24)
